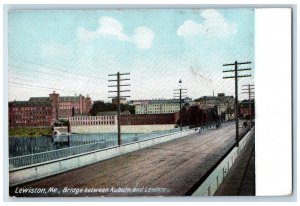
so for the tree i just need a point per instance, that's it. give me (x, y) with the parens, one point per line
(100, 106)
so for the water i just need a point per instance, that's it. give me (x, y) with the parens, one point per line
(19, 146)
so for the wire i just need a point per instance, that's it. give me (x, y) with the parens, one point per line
(38, 86)
(49, 74)
(51, 66)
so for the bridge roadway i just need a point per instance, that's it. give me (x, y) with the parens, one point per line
(167, 169)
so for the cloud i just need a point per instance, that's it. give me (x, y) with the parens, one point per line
(214, 25)
(53, 49)
(143, 37)
(110, 27)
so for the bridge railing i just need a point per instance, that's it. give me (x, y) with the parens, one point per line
(35, 158)
(21, 161)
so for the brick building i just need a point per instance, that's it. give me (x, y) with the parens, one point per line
(197, 114)
(148, 119)
(194, 115)
(223, 102)
(79, 105)
(31, 114)
(244, 110)
(44, 111)
(93, 120)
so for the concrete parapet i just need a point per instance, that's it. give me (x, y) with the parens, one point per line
(210, 185)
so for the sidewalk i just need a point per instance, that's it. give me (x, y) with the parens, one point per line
(240, 181)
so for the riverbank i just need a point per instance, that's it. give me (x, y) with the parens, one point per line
(29, 131)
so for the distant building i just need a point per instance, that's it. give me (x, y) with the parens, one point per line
(159, 106)
(44, 111)
(221, 98)
(93, 120)
(225, 104)
(32, 114)
(149, 119)
(79, 104)
(106, 113)
(114, 101)
(199, 115)
(132, 119)
(244, 110)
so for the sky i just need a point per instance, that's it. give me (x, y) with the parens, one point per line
(73, 51)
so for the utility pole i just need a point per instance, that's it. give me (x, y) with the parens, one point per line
(250, 93)
(236, 76)
(182, 93)
(119, 91)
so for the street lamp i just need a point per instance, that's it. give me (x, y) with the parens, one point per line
(180, 97)
(181, 92)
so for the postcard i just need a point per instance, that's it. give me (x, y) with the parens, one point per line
(131, 102)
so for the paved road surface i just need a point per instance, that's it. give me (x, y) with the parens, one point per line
(167, 169)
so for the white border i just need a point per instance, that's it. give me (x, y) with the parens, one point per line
(273, 102)
(210, 3)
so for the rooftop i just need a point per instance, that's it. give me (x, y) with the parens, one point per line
(30, 103)
(155, 101)
(39, 99)
(69, 98)
(204, 98)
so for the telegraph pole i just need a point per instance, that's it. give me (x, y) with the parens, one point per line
(119, 91)
(181, 92)
(236, 76)
(250, 93)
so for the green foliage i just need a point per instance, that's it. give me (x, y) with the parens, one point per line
(126, 107)
(61, 123)
(29, 131)
(100, 106)
(186, 104)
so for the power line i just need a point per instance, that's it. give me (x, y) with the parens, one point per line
(44, 87)
(33, 88)
(38, 86)
(49, 74)
(52, 66)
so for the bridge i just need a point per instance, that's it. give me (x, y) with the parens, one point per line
(195, 164)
